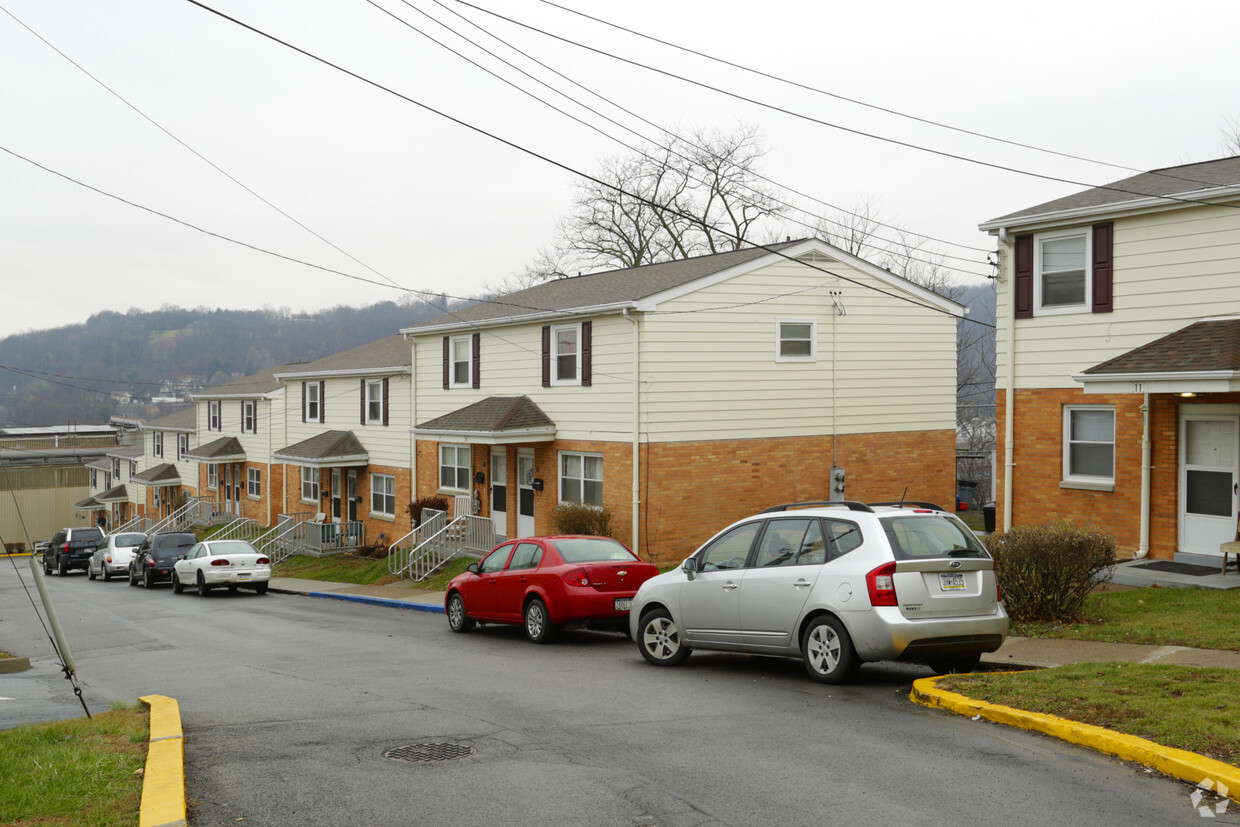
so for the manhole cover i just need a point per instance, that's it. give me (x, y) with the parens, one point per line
(430, 752)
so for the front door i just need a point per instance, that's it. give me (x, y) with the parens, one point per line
(351, 499)
(525, 492)
(230, 505)
(1209, 474)
(499, 491)
(336, 493)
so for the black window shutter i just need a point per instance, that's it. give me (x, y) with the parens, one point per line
(447, 376)
(385, 400)
(322, 401)
(587, 359)
(475, 347)
(363, 401)
(255, 427)
(1102, 270)
(303, 401)
(546, 356)
(1024, 277)
(242, 416)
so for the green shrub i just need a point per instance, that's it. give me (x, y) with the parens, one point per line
(414, 509)
(579, 518)
(1046, 571)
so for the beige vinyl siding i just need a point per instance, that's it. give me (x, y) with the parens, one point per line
(386, 445)
(709, 368)
(1170, 269)
(35, 503)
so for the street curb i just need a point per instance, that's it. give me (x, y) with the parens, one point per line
(14, 664)
(381, 601)
(163, 782)
(1187, 766)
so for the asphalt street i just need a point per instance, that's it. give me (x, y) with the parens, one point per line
(289, 704)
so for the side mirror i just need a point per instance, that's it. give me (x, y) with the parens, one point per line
(472, 568)
(689, 567)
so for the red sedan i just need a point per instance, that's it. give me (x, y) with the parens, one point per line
(546, 582)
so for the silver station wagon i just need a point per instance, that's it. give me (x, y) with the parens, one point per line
(835, 584)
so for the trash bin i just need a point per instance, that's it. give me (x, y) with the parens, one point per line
(964, 494)
(988, 518)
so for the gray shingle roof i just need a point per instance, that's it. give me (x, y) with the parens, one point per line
(219, 450)
(117, 493)
(185, 420)
(494, 414)
(1202, 346)
(125, 451)
(594, 289)
(391, 352)
(162, 474)
(100, 464)
(88, 504)
(262, 382)
(324, 446)
(1222, 173)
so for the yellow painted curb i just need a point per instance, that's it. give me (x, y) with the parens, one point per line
(1187, 766)
(163, 783)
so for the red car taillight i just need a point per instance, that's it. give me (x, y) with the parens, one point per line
(577, 577)
(882, 585)
(66, 546)
(108, 558)
(219, 561)
(263, 561)
(150, 562)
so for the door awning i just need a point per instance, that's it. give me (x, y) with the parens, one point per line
(1203, 357)
(330, 449)
(224, 449)
(496, 420)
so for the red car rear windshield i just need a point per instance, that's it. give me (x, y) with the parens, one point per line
(591, 550)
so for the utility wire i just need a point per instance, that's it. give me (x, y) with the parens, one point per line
(859, 132)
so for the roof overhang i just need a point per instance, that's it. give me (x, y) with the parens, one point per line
(216, 396)
(218, 450)
(564, 315)
(116, 494)
(1214, 381)
(88, 504)
(333, 374)
(519, 436)
(350, 461)
(1146, 204)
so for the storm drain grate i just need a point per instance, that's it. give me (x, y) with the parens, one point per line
(430, 752)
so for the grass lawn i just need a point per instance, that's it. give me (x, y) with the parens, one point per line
(1176, 706)
(344, 569)
(80, 772)
(1158, 616)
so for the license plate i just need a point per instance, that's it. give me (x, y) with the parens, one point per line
(951, 582)
(623, 604)
(245, 575)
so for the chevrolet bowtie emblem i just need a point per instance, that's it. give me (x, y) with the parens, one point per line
(622, 572)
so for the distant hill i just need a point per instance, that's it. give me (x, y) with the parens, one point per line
(84, 373)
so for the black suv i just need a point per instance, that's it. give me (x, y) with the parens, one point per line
(71, 548)
(153, 560)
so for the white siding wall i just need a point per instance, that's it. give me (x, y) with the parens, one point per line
(387, 445)
(1170, 269)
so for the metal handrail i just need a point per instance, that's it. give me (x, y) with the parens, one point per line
(467, 534)
(399, 551)
(242, 528)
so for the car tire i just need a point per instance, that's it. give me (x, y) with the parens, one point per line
(90, 573)
(658, 638)
(107, 575)
(955, 666)
(827, 651)
(64, 567)
(148, 581)
(133, 580)
(47, 565)
(177, 586)
(538, 625)
(458, 621)
(261, 588)
(232, 589)
(203, 589)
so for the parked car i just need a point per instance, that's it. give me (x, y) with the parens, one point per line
(153, 560)
(70, 549)
(114, 555)
(547, 582)
(834, 584)
(231, 563)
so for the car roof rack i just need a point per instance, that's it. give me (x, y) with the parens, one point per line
(909, 504)
(849, 504)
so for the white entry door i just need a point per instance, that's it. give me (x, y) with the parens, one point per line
(525, 492)
(499, 491)
(1209, 476)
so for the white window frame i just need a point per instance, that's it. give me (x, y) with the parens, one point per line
(383, 493)
(453, 361)
(314, 405)
(133, 468)
(1106, 483)
(249, 416)
(374, 401)
(1060, 310)
(157, 443)
(116, 468)
(214, 422)
(555, 354)
(94, 478)
(213, 475)
(182, 446)
(254, 483)
(155, 501)
(582, 479)
(780, 356)
(457, 452)
(309, 485)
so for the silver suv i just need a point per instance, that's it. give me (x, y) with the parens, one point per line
(835, 584)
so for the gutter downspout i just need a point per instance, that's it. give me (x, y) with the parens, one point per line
(413, 419)
(1144, 548)
(1009, 402)
(637, 385)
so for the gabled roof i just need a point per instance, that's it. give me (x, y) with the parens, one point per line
(185, 420)
(159, 475)
(1203, 357)
(224, 449)
(125, 451)
(115, 494)
(1201, 181)
(389, 355)
(88, 504)
(496, 420)
(262, 383)
(100, 464)
(326, 450)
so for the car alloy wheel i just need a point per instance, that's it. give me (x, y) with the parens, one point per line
(828, 651)
(659, 639)
(538, 627)
(458, 621)
(177, 586)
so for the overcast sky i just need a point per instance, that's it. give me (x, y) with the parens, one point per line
(432, 205)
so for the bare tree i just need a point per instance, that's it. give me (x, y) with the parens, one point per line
(1231, 136)
(853, 230)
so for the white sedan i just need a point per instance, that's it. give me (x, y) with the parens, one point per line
(112, 558)
(230, 563)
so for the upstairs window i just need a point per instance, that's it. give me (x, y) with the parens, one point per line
(157, 444)
(374, 401)
(213, 416)
(312, 401)
(182, 446)
(567, 354)
(249, 417)
(1066, 271)
(796, 340)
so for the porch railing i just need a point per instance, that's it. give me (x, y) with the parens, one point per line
(466, 535)
(242, 528)
(433, 521)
